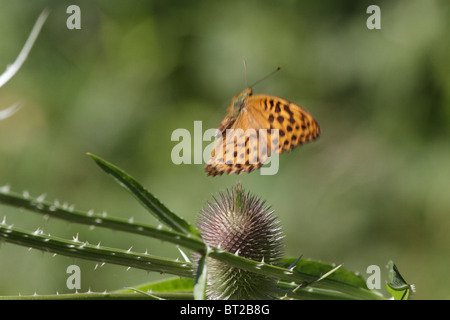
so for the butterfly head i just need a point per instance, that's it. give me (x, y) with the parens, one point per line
(238, 102)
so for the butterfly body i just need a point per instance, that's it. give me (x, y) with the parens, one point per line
(254, 126)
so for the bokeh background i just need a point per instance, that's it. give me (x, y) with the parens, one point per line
(375, 187)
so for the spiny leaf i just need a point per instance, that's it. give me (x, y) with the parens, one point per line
(175, 284)
(201, 278)
(317, 268)
(84, 250)
(152, 204)
(89, 218)
(397, 286)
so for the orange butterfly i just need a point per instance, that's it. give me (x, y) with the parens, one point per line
(254, 126)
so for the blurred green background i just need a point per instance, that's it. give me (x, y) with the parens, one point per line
(374, 187)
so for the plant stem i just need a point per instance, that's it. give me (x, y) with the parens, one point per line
(75, 216)
(84, 250)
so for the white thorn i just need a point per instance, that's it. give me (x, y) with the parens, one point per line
(5, 189)
(185, 257)
(41, 198)
(37, 231)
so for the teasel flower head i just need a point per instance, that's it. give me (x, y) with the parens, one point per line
(238, 222)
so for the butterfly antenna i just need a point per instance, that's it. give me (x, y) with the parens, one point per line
(277, 69)
(245, 72)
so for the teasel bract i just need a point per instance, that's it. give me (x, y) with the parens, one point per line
(240, 223)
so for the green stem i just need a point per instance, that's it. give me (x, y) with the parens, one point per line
(104, 296)
(75, 216)
(292, 276)
(84, 250)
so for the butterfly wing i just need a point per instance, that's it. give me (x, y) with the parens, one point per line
(246, 148)
(295, 125)
(235, 150)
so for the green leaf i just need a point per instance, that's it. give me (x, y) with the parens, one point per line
(161, 212)
(84, 250)
(318, 269)
(169, 285)
(201, 278)
(92, 219)
(134, 295)
(175, 288)
(397, 286)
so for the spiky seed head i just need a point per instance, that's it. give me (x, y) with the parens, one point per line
(238, 222)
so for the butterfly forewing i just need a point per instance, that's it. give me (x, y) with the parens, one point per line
(295, 126)
(264, 124)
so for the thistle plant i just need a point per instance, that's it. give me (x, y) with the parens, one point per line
(264, 277)
(239, 223)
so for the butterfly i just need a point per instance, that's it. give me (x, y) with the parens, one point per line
(254, 126)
